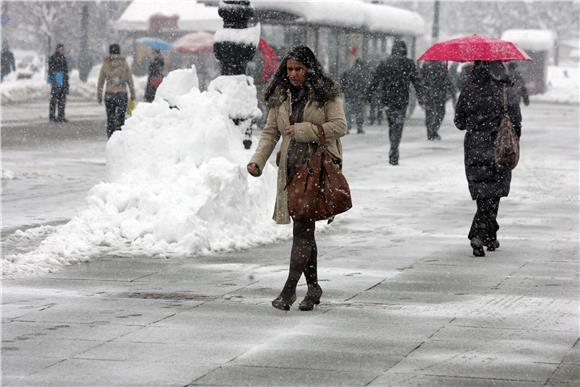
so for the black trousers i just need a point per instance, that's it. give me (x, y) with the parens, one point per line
(57, 98)
(355, 108)
(484, 225)
(116, 105)
(434, 115)
(396, 120)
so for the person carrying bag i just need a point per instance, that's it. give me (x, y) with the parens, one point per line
(305, 110)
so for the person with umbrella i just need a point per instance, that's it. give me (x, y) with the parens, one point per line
(481, 106)
(479, 112)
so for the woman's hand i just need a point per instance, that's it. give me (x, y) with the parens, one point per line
(289, 131)
(253, 169)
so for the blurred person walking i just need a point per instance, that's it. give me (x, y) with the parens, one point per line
(155, 76)
(117, 75)
(7, 60)
(354, 84)
(59, 87)
(392, 78)
(479, 111)
(437, 88)
(519, 91)
(301, 99)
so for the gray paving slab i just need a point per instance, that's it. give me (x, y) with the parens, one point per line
(260, 376)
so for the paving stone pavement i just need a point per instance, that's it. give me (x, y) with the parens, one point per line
(400, 307)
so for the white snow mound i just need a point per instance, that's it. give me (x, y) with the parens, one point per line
(178, 185)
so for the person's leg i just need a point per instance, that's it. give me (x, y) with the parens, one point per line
(110, 108)
(477, 231)
(438, 120)
(61, 104)
(396, 119)
(429, 121)
(492, 226)
(348, 114)
(52, 105)
(359, 115)
(122, 101)
(302, 245)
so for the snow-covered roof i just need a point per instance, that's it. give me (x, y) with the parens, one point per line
(537, 40)
(192, 16)
(348, 13)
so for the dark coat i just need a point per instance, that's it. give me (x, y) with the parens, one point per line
(354, 82)
(155, 71)
(57, 63)
(8, 64)
(479, 112)
(519, 91)
(435, 83)
(393, 76)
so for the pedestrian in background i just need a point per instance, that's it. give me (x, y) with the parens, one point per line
(59, 87)
(479, 112)
(519, 90)
(117, 75)
(300, 97)
(7, 64)
(437, 88)
(392, 78)
(354, 84)
(155, 76)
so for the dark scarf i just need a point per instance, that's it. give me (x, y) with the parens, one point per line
(298, 152)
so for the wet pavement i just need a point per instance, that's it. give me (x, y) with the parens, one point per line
(404, 304)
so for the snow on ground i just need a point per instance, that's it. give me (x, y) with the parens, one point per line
(563, 85)
(177, 185)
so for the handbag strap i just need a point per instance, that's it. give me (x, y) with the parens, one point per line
(504, 108)
(321, 136)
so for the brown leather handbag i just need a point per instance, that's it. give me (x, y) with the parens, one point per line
(318, 189)
(507, 143)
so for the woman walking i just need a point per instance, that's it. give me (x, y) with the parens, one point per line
(479, 111)
(300, 97)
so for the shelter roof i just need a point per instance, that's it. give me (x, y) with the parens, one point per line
(531, 39)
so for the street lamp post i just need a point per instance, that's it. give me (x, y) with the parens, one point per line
(435, 30)
(234, 48)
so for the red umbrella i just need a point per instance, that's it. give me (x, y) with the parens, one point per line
(194, 43)
(474, 47)
(271, 61)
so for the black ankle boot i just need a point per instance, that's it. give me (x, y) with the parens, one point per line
(312, 298)
(477, 246)
(493, 245)
(283, 304)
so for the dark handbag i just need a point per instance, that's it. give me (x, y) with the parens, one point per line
(507, 143)
(318, 189)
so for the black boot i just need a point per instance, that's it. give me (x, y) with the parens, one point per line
(492, 245)
(477, 246)
(312, 298)
(282, 304)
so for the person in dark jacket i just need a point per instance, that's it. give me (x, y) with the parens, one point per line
(7, 61)
(353, 83)
(437, 88)
(519, 89)
(155, 76)
(58, 78)
(392, 78)
(479, 112)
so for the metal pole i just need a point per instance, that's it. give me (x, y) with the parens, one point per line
(435, 31)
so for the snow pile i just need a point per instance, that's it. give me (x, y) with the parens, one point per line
(563, 86)
(178, 185)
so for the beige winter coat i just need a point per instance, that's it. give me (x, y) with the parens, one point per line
(115, 71)
(330, 116)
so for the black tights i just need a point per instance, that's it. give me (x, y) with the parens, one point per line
(303, 258)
